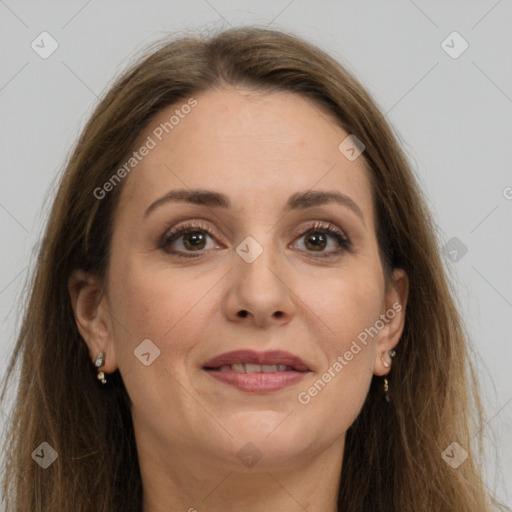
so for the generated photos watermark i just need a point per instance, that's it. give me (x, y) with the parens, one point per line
(335, 368)
(151, 142)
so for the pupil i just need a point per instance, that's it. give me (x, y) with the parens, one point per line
(190, 239)
(318, 240)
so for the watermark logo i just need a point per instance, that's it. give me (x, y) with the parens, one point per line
(454, 249)
(44, 45)
(249, 249)
(146, 352)
(454, 455)
(249, 455)
(454, 45)
(44, 455)
(351, 147)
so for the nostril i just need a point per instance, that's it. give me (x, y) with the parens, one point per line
(243, 313)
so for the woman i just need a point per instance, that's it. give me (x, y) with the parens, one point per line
(239, 301)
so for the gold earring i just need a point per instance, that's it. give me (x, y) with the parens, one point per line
(392, 354)
(386, 389)
(99, 363)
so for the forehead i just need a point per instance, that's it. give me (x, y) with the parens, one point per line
(246, 144)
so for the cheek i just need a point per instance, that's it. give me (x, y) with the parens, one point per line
(349, 304)
(164, 305)
(350, 307)
(335, 397)
(168, 308)
(338, 391)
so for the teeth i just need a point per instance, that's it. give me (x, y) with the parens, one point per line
(255, 368)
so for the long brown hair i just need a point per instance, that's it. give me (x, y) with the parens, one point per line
(393, 453)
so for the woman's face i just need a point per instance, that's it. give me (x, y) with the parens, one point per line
(255, 269)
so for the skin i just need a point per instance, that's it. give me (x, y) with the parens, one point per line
(258, 149)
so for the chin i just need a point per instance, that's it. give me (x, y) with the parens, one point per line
(266, 437)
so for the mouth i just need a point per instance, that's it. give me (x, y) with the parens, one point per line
(257, 372)
(254, 368)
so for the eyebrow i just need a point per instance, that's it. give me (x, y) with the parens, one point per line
(297, 201)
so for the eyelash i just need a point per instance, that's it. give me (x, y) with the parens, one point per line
(318, 227)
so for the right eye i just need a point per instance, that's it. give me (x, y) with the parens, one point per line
(188, 238)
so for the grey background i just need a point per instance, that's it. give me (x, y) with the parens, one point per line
(453, 116)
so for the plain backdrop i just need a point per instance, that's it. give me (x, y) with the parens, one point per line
(448, 96)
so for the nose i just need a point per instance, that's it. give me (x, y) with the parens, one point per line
(258, 291)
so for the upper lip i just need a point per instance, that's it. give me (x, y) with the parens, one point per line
(254, 357)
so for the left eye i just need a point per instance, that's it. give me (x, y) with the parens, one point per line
(316, 239)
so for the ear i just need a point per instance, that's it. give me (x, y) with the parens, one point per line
(393, 318)
(92, 316)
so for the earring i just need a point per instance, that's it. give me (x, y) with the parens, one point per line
(98, 363)
(392, 354)
(386, 389)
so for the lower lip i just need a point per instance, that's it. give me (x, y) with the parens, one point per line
(258, 382)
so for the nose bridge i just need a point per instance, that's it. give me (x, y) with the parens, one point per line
(258, 288)
(256, 260)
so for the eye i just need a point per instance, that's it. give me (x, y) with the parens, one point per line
(186, 239)
(316, 239)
